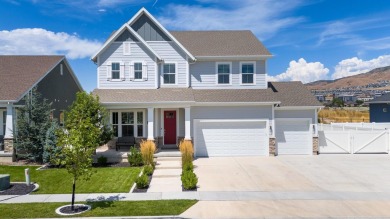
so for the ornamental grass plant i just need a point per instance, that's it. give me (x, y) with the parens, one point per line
(187, 153)
(148, 148)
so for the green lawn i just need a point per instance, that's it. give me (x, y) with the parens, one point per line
(117, 208)
(58, 181)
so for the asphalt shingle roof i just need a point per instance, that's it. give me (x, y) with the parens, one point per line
(221, 43)
(19, 73)
(288, 93)
(382, 99)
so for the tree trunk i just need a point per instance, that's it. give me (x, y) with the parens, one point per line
(73, 195)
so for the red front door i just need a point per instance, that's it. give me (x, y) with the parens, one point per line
(170, 127)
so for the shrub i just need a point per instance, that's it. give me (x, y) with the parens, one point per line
(148, 170)
(134, 157)
(187, 152)
(142, 181)
(189, 180)
(188, 166)
(147, 150)
(102, 160)
(51, 150)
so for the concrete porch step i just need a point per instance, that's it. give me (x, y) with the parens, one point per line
(168, 164)
(173, 153)
(163, 159)
(162, 173)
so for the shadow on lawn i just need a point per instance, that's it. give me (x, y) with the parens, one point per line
(104, 202)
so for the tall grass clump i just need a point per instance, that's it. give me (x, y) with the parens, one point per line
(148, 148)
(187, 154)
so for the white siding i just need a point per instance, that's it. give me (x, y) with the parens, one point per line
(115, 54)
(308, 113)
(171, 53)
(230, 112)
(203, 75)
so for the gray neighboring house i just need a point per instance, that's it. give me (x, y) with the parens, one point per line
(210, 87)
(380, 109)
(54, 79)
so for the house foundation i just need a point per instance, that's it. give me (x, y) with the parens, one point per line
(315, 146)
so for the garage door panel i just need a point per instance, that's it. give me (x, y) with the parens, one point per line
(293, 136)
(221, 138)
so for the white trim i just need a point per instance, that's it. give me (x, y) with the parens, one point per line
(150, 122)
(126, 45)
(187, 123)
(235, 58)
(162, 114)
(273, 121)
(176, 73)
(298, 107)
(156, 77)
(127, 110)
(197, 121)
(254, 73)
(230, 73)
(98, 69)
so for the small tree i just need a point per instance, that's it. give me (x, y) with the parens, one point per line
(51, 151)
(33, 121)
(85, 129)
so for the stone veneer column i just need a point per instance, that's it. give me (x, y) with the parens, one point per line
(272, 147)
(315, 146)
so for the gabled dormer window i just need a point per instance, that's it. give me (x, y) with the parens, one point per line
(224, 70)
(247, 71)
(115, 70)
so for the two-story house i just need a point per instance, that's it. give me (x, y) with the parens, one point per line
(207, 86)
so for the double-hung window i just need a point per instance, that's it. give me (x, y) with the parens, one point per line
(247, 72)
(138, 70)
(115, 70)
(169, 73)
(223, 73)
(127, 124)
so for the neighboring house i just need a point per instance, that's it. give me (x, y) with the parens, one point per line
(51, 75)
(207, 86)
(380, 109)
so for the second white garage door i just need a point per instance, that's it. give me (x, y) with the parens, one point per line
(230, 138)
(293, 136)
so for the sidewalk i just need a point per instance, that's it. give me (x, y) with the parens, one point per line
(201, 196)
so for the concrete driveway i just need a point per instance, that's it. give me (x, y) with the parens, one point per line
(323, 186)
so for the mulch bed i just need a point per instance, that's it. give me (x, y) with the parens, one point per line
(189, 190)
(18, 189)
(77, 209)
(145, 189)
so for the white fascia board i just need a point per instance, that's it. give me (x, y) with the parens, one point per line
(236, 103)
(108, 42)
(241, 58)
(143, 10)
(142, 41)
(298, 107)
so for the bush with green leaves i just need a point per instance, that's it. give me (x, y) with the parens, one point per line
(189, 180)
(142, 182)
(188, 166)
(102, 160)
(148, 170)
(135, 157)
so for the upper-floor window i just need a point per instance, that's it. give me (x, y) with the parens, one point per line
(115, 70)
(138, 70)
(169, 73)
(223, 73)
(247, 72)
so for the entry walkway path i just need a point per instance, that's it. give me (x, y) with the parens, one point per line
(166, 176)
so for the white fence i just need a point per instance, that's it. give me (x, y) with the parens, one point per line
(349, 138)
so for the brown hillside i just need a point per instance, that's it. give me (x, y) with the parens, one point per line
(375, 75)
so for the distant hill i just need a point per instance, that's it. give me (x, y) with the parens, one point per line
(373, 76)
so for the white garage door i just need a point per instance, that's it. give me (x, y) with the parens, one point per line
(293, 136)
(230, 138)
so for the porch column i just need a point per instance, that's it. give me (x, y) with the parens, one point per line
(187, 115)
(150, 123)
(9, 122)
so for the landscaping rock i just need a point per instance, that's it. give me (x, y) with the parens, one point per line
(4, 181)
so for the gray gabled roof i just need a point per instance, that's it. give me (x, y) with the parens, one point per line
(287, 93)
(382, 99)
(19, 73)
(221, 43)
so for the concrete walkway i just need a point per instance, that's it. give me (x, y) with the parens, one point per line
(166, 176)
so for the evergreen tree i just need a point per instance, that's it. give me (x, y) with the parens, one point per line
(33, 121)
(85, 129)
(52, 152)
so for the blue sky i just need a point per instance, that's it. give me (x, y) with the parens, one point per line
(310, 40)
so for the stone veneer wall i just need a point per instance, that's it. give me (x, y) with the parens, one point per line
(8, 145)
(315, 146)
(272, 147)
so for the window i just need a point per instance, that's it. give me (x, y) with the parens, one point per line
(223, 73)
(140, 122)
(169, 73)
(115, 70)
(138, 70)
(247, 73)
(115, 123)
(127, 124)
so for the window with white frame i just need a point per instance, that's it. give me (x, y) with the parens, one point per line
(128, 123)
(247, 73)
(138, 70)
(223, 73)
(169, 73)
(115, 70)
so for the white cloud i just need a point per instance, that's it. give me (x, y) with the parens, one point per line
(354, 66)
(38, 41)
(264, 18)
(302, 71)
